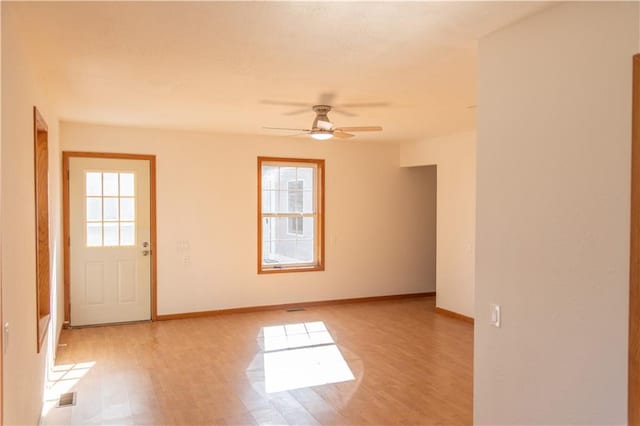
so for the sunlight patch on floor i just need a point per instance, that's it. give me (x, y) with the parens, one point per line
(301, 355)
(63, 378)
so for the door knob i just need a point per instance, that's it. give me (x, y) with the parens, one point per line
(146, 252)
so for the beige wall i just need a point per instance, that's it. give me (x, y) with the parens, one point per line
(553, 216)
(455, 157)
(24, 369)
(380, 219)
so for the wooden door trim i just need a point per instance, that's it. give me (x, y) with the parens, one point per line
(66, 155)
(634, 269)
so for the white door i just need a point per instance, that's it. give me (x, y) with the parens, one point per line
(110, 246)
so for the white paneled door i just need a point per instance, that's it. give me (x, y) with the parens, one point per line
(110, 246)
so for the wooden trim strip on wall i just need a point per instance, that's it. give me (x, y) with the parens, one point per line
(455, 315)
(66, 155)
(634, 260)
(42, 242)
(292, 305)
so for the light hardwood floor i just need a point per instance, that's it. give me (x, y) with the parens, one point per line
(409, 366)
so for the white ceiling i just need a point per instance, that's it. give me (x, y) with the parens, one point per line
(207, 66)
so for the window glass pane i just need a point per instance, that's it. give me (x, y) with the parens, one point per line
(286, 174)
(280, 229)
(268, 228)
(127, 187)
(280, 246)
(94, 209)
(307, 202)
(282, 201)
(269, 201)
(94, 183)
(269, 177)
(127, 209)
(127, 234)
(94, 234)
(305, 174)
(279, 251)
(294, 225)
(294, 196)
(110, 209)
(110, 184)
(110, 234)
(307, 227)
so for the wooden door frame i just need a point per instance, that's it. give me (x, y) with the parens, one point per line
(634, 267)
(66, 155)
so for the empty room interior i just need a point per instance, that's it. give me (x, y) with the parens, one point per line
(320, 213)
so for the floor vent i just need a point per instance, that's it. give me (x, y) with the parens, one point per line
(67, 400)
(295, 309)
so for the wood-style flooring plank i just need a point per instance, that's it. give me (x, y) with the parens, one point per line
(410, 367)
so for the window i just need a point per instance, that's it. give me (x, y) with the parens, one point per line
(290, 215)
(110, 209)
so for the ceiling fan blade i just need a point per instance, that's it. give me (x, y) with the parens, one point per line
(285, 103)
(287, 128)
(298, 111)
(359, 129)
(326, 98)
(342, 135)
(343, 112)
(364, 105)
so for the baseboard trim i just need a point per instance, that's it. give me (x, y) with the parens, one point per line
(455, 315)
(199, 314)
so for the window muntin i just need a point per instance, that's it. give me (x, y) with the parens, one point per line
(295, 204)
(290, 214)
(110, 205)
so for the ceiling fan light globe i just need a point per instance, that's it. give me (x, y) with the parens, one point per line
(321, 136)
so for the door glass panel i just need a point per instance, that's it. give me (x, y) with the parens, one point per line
(110, 209)
(94, 234)
(111, 234)
(127, 185)
(94, 209)
(110, 184)
(94, 184)
(127, 209)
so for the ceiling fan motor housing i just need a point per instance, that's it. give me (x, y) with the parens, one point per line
(322, 120)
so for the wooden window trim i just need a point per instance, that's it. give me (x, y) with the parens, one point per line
(320, 196)
(41, 184)
(634, 269)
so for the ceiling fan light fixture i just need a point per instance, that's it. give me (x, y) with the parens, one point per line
(321, 135)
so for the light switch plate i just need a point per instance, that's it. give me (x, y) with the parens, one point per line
(495, 315)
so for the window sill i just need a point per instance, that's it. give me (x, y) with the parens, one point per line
(262, 270)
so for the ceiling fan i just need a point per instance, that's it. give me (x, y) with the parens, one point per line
(323, 129)
(327, 98)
